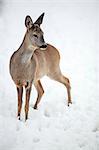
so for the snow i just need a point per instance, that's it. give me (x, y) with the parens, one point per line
(72, 27)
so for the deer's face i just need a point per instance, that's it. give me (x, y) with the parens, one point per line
(37, 37)
(35, 33)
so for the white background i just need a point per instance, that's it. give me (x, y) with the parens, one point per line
(72, 27)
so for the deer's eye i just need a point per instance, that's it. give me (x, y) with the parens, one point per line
(35, 35)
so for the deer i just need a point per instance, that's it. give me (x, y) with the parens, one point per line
(33, 60)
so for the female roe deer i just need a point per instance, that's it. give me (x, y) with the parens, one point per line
(32, 61)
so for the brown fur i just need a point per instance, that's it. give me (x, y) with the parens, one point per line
(30, 63)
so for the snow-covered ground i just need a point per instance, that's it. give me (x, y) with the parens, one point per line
(71, 26)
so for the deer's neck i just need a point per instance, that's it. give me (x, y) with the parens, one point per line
(26, 50)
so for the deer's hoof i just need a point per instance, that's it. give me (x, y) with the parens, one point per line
(69, 103)
(18, 117)
(35, 107)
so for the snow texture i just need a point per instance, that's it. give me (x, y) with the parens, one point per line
(73, 28)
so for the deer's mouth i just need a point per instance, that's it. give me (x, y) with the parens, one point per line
(43, 47)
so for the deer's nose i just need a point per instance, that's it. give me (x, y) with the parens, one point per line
(43, 46)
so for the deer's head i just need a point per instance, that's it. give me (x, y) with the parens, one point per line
(35, 33)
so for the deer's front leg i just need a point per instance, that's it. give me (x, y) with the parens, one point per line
(28, 91)
(20, 94)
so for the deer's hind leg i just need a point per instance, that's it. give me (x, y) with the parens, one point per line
(57, 76)
(20, 94)
(40, 92)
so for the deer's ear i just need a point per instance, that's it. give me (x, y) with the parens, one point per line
(40, 19)
(28, 22)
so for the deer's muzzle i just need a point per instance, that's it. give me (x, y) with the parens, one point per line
(43, 47)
